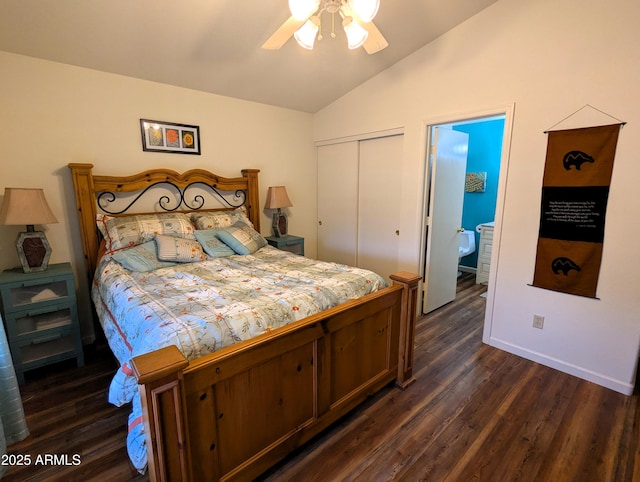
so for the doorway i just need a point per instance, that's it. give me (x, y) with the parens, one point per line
(491, 189)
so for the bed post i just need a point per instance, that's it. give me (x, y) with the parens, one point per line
(409, 283)
(161, 388)
(86, 205)
(253, 195)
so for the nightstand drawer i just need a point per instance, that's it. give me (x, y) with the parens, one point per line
(20, 290)
(46, 349)
(32, 321)
(295, 248)
(37, 293)
(287, 242)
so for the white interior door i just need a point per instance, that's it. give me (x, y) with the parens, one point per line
(379, 204)
(338, 202)
(448, 165)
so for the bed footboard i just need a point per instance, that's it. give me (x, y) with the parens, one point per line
(234, 413)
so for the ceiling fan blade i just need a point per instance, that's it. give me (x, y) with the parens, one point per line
(375, 41)
(284, 32)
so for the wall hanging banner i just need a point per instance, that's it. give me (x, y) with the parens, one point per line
(575, 189)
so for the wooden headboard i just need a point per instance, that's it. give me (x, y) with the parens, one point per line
(89, 187)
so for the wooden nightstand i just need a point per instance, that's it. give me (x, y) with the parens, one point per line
(293, 244)
(41, 317)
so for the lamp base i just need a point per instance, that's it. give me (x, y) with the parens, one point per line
(33, 250)
(279, 224)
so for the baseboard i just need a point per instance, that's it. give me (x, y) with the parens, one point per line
(591, 376)
(467, 269)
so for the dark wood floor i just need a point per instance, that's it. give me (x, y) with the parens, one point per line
(475, 413)
(68, 413)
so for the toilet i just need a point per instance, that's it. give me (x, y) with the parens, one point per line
(466, 246)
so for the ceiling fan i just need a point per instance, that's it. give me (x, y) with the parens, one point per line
(305, 24)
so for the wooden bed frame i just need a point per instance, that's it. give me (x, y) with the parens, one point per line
(234, 413)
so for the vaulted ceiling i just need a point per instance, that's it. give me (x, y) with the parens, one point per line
(214, 45)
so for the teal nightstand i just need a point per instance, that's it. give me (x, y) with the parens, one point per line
(293, 244)
(41, 317)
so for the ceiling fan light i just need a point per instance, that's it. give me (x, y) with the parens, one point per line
(303, 9)
(366, 10)
(306, 35)
(356, 34)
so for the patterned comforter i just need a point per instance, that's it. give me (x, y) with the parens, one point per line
(205, 306)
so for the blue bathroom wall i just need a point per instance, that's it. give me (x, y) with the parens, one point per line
(485, 149)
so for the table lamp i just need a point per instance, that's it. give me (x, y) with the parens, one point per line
(28, 207)
(277, 198)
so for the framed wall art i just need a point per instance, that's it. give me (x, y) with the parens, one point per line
(160, 136)
(475, 182)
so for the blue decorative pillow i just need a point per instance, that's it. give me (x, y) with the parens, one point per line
(142, 257)
(241, 238)
(212, 245)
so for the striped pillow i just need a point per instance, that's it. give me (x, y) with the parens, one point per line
(125, 231)
(180, 250)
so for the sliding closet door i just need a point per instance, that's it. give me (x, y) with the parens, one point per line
(379, 204)
(338, 202)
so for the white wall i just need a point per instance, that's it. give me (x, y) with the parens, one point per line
(53, 114)
(549, 58)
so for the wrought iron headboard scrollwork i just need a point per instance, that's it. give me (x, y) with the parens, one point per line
(187, 191)
(236, 199)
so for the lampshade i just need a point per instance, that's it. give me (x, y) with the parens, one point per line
(277, 198)
(306, 35)
(365, 9)
(26, 207)
(356, 34)
(302, 9)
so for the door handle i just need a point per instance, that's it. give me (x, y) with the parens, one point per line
(460, 230)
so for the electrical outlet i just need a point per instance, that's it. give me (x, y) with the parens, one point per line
(538, 321)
